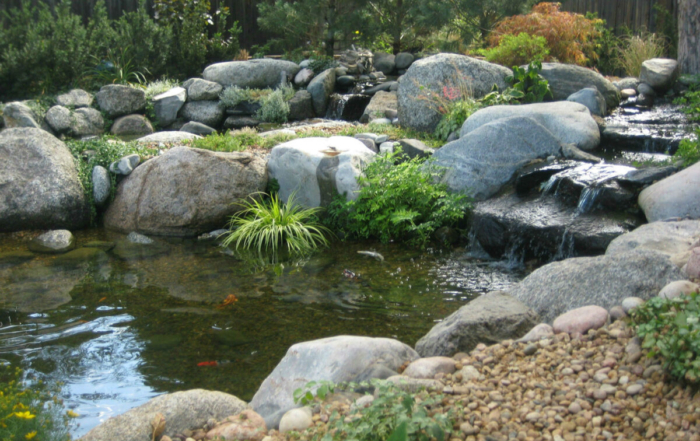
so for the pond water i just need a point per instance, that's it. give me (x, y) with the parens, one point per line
(119, 326)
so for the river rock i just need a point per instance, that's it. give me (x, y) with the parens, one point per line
(117, 100)
(254, 74)
(101, 185)
(59, 119)
(168, 137)
(301, 106)
(197, 128)
(296, 419)
(659, 73)
(303, 77)
(487, 319)
(425, 79)
(674, 239)
(53, 242)
(581, 320)
(404, 60)
(569, 122)
(677, 196)
(19, 115)
(132, 126)
(210, 113)
(415, 385)
(565, 79)
(678, 288)
(317, 168)
(76, 98)
(124, 166)
(337, 359)
(185, 192)
(39, 184)
(543, 330)
(320, 89)
(168, 104)
(87, 121)
(484, 159)
(182, 411)
(201, 90)
(629, 303)
(378, 106)
(603, 281)
(591, 98)
(384, 62)
(429, 367)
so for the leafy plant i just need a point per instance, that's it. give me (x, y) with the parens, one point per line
(570, 37)
(273, 108)
(320, 64)
(306, 395)
(119, 68)
(529, 82)
(515, 50)
(265, 224)
(689, 150)
(691, 102)
(398, 201)
(636, 49)
(456, 112)
(671, 328)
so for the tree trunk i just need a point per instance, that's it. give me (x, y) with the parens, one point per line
(398, 28)
(330, 34)
(689, 36)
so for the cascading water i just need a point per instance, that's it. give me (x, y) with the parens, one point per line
(588, 199)
(348, 107)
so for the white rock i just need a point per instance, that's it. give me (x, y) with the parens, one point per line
(678, 288)
(296, 419)
(629, 303)
(429, 367)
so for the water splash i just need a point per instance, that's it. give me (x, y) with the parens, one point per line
(566, 247)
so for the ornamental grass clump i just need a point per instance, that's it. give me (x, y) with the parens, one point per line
(636, 49)
(266, 224)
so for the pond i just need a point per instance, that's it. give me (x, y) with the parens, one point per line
(120, 326)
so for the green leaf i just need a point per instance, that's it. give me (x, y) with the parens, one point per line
(400, 433)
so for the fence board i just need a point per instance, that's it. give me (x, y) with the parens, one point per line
(636, 15)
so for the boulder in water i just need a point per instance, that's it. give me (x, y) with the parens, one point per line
(659, 73)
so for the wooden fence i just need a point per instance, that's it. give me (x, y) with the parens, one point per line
(243, 11)
(636, 15)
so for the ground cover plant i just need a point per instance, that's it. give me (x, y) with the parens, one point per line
(399, 200)
(689, 148)
(274, 107)
(670, 328)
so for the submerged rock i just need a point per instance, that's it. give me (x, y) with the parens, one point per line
(53, 242)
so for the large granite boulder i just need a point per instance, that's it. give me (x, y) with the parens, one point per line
(384, 62)
(76, 98)
(426, 78)
(18, 114)
(674, 239)
(321, 88)
(182, 411)
(168, 104)
(569, 122)
(209, 113)
(258, 73)
(201, 90)
(677, 196)
(301, 106)
(378, 106)
(592, 99)
(84, 121)
(337, 359)
(132, 126)
(59, 119)
(185, 192)
(659, 73)
(117, 100)
(483, 160)
(565, 79)
(488, 319)
(39, 184)
(318, 168)
(603, 281)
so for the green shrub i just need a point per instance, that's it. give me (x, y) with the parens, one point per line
(529, 82)
(515, 50)
(219, 143)
(320, 64)
(690, 102)
(30, 412)
(266, 224)
(671, 328)
(398, 202)
(636, 49)
(273, 108)
(689, 150)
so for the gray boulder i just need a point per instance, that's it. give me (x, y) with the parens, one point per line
(418, 108)
(303, 77)
(627, 83)
(301, 106)
(318, 168)
(201, 90)
(570, 123)
(17, 114)
(132, 126)
(659, 73)
(404, 60)
(168, 104)
(117, 100)
(603, 281)
(210, 113)
(59, 119)
(384, 63)
(101, 185)
(677, 196)
(487, 319)
(182, 411)
(87, 121)
(337, 359)
(483, 160)
(320, 89)
(414, 148)
(76, 98)
(258, 73)
(125, 165)
(378, 105)
(39, 184)
(591, 98)
(565, 79)
(173, 194)
(53, 242)
(197, 128)
(168, 137)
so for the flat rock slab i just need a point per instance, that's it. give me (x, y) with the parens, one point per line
(254, 74)
(674, 239)
(168, 137)
(182, 411)
(603, 281)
